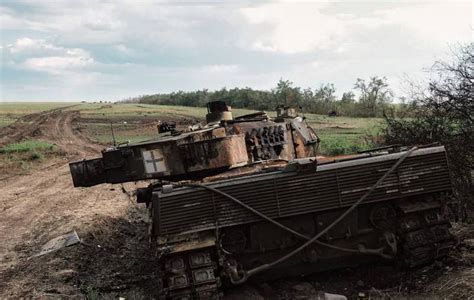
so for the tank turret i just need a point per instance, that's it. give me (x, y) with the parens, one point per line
(223, 143)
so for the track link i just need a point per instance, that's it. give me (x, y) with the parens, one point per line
(424, 233)
(189, 275)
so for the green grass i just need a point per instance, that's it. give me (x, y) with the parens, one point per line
(24, 155)
(344, 135)
(24, 108)
(26, 146)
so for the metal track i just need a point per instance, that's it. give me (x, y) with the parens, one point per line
(424, 236)
(189, 275)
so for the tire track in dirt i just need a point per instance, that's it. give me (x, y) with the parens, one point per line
(37, 207)
(55, 126)
(68, 138)
(26, 126)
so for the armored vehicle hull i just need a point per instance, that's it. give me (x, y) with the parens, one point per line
(242, 199)
(254, 226)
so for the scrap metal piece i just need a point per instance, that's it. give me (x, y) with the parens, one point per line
(62, 241)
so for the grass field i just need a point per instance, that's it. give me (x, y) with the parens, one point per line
(10, 111)
(137, 122)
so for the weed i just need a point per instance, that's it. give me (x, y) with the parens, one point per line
(337, 145)
(89, 292)
(24, 155)
(26, 146)
(35, 156)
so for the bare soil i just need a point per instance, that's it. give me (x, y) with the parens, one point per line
(114, 258)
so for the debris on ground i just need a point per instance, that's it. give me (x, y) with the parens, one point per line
(62, 241)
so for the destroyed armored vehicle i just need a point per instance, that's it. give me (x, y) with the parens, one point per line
(245, 199)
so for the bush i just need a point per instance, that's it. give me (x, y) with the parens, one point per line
(444, 114)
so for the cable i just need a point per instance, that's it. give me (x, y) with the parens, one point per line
(214, 190)
(342, 216)
(246, 274)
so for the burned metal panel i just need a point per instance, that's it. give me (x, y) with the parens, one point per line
(346, 228)
(87, 172)
(260, 233)
(169, 158)
(198, 153)
(227, 151)
(266, 140)
(304, 138)
(280, 194)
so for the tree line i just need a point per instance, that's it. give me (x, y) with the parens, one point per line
(375, 98)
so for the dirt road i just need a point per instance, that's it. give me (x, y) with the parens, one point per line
(55, 126)
(38, 207)
(114, 258)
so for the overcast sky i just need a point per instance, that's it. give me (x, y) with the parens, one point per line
(110, 50)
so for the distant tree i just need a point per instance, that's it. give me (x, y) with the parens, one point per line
(326, 93)
(348, 97)
(286, 94)
(374, 94)
(319, 101)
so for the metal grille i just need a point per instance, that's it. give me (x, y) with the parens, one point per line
(280, 194)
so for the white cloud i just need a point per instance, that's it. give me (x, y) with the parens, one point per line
(258, 45)
(28, 45)
(304, 27)
(58, 64)
(294, 27)
(40, 55)
(137, 47)
(220, 68)
(439, 22)
(122, 49)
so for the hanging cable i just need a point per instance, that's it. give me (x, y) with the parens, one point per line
(246, 274)
(263, 216)
(342, 216)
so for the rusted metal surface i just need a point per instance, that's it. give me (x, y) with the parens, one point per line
(403, 218)
(228, 151)
(218, 111)
(187, 243)
(196, 154)
(282, 194)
